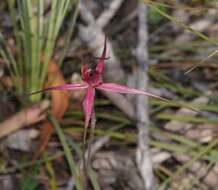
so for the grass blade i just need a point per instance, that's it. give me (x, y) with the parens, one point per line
(74, 170)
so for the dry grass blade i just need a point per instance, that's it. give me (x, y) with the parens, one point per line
(201, 62)
(73, 168)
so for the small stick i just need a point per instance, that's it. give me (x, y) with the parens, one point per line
(29, 116)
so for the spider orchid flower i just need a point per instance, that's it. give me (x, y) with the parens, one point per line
(92, 81)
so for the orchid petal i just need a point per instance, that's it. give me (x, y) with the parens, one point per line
(88, 104)
(111, 87)
(63, 87)
(100, 66)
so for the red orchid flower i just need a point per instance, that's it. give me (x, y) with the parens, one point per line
(92, 80)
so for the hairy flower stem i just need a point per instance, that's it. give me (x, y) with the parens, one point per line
(84, 167)
(87, 155)
(91, 138)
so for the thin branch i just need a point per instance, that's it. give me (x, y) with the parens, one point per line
(143, 155)
(98, 145)
(108, 14)
(122, 103)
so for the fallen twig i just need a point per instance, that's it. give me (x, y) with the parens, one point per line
(29, 116)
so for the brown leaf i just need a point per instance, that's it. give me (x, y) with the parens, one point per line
(59, 104)
(60, 99)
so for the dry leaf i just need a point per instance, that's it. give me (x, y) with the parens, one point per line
(59, 104)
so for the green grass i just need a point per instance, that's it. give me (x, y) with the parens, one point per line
(71, 161)
(35, 35)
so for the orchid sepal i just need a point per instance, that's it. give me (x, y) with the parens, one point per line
(88, 104)
(76, 86)
(100, 66)
(112, 87)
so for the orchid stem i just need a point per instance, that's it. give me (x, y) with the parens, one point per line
(87, 155)
(91, 138)
(85, 170)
